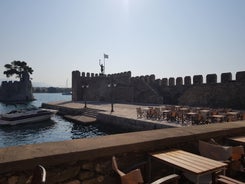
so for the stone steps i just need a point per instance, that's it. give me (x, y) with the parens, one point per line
(80, 119)
(93, 113)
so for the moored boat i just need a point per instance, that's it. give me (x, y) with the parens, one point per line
(67, 93)
(25, 116)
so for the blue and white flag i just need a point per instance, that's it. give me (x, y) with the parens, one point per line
(106, 56)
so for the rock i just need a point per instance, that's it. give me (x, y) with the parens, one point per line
(88, 166)
(73, 182)
(3, 180)
(97, 180)
(102, 167)
(62, 175)
(85, 175)
(13, 180)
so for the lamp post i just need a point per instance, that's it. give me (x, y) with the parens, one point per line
(84, 95)
(112, 85)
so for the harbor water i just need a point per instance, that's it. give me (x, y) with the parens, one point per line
(56, 129)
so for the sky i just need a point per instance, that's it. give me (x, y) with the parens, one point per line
(168, 38)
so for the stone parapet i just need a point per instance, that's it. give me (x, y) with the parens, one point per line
(89, 160)
(187, 80)
(211, 79)
(179, 81)
(171, 81)
(226, 77)
(164, 82)
(197, 79)
(240, 76)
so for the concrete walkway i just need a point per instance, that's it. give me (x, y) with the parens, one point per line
(120, 110)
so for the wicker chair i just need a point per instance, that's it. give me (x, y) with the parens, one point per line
(135, 176)
(215, 152)
(221, 179)
(39, 175)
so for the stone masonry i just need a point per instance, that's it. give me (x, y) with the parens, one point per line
(146, 89)
(17, 91)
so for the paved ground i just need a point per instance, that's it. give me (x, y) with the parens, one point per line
(121, 110)
(124, 110)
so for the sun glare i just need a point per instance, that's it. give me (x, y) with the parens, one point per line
(125, 4)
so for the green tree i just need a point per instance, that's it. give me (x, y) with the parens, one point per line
(17, 68)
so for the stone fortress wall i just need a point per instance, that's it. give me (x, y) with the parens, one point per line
(16, 91)
(227, 93)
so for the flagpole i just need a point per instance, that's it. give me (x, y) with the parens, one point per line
(104, 63)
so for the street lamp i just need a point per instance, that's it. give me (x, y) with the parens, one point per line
(112, 85)
(84, 95)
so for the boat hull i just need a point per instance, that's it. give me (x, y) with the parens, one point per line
(28, 119)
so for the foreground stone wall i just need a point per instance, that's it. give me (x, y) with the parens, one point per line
(88, 161)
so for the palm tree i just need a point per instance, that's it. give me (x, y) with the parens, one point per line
(17, 68)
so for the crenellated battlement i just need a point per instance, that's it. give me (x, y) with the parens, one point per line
(15, 91)
(196, 80)
(148, 89)
(187, 80)
(89, 75)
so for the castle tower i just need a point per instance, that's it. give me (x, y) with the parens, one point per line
(76, 90)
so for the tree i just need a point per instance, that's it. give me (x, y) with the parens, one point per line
(17, 68)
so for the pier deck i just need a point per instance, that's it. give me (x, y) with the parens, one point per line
(122, 112)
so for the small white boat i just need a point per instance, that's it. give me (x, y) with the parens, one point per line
(25, 116)
(67, 93)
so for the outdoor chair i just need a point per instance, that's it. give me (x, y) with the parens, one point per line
(158, 114)
(243, 116)
(215, 152)
(39, 175)
(135, 176)
(237, 160)
(150, 113)
(221, 179)
(139, 112)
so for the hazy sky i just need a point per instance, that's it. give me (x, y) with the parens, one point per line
(168, 38)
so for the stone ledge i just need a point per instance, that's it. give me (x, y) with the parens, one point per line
(55, 153)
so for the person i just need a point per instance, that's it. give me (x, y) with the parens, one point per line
(101, 68)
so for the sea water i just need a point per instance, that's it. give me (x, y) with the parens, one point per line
(56, 129)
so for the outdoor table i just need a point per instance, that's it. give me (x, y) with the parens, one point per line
(233, 115)
(192, 115)
(188, 162)
(218, 117)
(237, 140)
(165, 113)
(177, 107)
(183, 109)
(204, 111)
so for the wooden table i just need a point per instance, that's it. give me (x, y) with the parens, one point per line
(218, 118)
(188, 162)
(192, 115)
(232, 115)
(237, 140)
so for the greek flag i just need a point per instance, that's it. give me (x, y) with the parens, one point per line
(106, 56)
